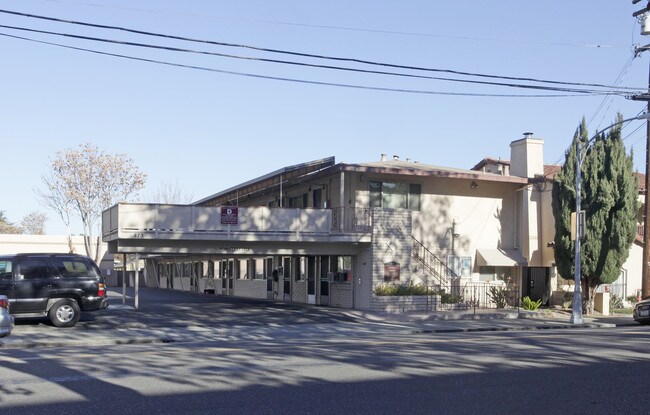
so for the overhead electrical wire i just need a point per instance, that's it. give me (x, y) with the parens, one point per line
(633, 132)
(345, 28)
(307, 55)
(303, 64)
(608, 100)
(623, 126)
(619, 78)
(295, 80)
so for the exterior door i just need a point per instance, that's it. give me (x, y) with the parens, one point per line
(324, 281)
(286, 267)
(311, 280)
(33, 280)
(537, 279)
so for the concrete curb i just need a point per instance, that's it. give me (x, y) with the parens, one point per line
(522, 328)
(21, 344)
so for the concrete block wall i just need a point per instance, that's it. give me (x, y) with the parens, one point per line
(401, 304)
(181, 284)
(250, 288)
(299, 294)
(341, 295)
(391, 242)
(218, 284)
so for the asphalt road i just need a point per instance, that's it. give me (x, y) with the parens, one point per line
(223, 355)
(595, 371)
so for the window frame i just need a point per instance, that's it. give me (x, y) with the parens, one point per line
(377, 194)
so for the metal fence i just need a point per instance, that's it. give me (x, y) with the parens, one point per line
(477, 295)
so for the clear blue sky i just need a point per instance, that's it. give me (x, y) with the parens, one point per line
(209, 131)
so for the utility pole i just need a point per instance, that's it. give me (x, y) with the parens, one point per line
(643, 17)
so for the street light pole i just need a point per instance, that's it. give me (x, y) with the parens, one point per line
(576, 314)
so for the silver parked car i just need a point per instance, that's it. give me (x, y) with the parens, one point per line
(6, 319)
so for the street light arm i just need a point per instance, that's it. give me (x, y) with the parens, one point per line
(644, 116)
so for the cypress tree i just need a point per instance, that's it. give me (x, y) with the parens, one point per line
(609, 199)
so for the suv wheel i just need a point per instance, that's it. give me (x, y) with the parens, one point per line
(65, 313)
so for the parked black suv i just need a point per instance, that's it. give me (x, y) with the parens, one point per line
(58, 286)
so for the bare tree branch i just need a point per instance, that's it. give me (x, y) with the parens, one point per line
(87, 181)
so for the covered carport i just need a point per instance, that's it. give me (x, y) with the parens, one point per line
(255, 252)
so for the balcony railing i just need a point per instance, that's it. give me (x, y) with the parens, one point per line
(144, 220)
(351, 220)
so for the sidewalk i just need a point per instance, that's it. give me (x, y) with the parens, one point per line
(494, 320)
(169, 317)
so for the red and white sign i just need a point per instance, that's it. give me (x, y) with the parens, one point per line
(229, 215)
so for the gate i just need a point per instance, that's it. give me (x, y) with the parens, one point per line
(537, 283)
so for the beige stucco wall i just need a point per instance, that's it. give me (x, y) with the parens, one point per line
(483, 216)
(633, 266)
(547, 225)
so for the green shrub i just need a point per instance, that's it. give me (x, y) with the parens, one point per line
(529, 304)
(615, 302)
(386, 290)
(632, 299)
(567, 300)
(446, 298)
(394, 289)
(500, 296)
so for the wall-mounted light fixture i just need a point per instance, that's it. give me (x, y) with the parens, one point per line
(474, 185)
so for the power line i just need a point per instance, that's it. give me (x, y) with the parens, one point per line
(623, 126)
(617, 81)
(345, 28)
(307, 55)
(341, 68)
(295, 80)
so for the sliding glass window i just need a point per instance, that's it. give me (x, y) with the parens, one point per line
(394, 195)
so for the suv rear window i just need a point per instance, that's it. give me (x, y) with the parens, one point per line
(75, 268)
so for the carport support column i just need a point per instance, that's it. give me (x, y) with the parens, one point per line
(137, 279)
(124, 279)
(342, 199)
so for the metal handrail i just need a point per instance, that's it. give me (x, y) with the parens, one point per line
(431, 262)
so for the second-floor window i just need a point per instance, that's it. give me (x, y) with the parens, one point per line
(395, 195)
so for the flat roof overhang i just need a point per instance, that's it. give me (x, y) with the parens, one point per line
(234, 248)
(318, 169)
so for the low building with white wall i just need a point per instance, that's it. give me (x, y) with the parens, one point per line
(17, 244)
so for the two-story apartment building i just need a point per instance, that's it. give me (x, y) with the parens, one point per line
(329, 233)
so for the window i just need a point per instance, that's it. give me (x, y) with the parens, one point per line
(461, 265)
(317, 198)
(33, 269)
(344, 269)
(71, 268)
(375, 194)
(5, 270)
(492, 273)
(394, 195)
(414, 196)
(298, 201)
(268, 267)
